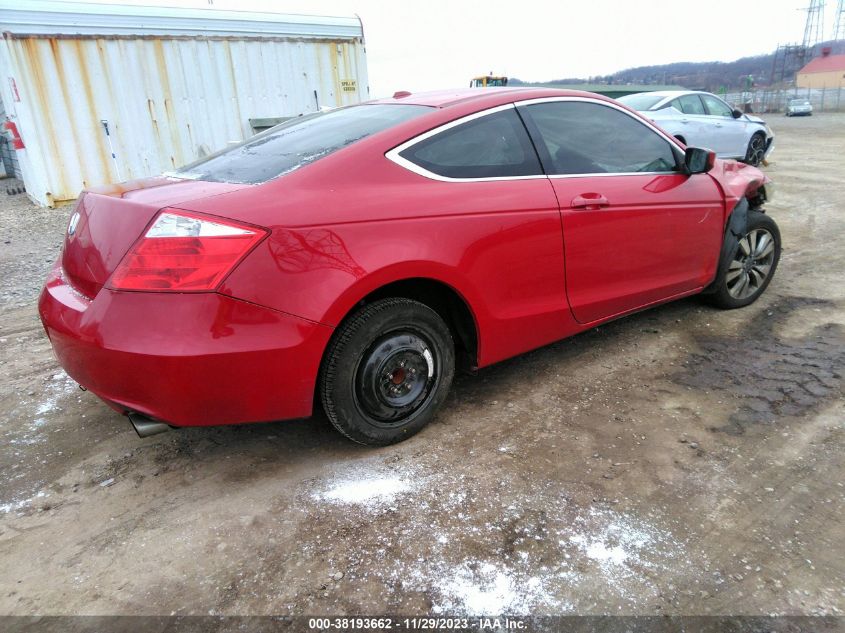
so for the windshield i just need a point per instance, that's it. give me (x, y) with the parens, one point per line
(798, 102)
(641, 101)
(298, 142)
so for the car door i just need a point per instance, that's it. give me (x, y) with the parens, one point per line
(636, 229)
(694, 123)
(729, 132)
(485, 190)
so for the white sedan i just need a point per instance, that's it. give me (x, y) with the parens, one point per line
(799, 107)
(701, 119)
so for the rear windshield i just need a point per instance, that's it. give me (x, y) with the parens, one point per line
(798, 102)
(298, 142)
(640, 102)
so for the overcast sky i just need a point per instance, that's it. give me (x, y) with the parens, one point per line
(416, 45)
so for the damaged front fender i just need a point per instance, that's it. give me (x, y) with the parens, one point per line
(745, 188)
(739, 181)
(737, 226)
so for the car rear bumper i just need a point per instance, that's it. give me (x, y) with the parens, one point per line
(186, 359)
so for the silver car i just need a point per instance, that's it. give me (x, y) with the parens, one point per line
(799, 107)
(701, 119)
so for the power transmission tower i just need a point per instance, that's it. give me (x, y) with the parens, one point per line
(788, 59)
(839, 21)
(815, 24)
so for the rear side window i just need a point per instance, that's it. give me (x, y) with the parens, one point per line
(590, 138)
(493, 146)
(298, 142)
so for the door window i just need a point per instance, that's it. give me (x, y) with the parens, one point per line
(690, 104)
(717, 107)
(493, 146)
(591, 138)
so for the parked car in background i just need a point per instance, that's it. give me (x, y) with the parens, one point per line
(355, 258)
(702, 119)
(799, 107)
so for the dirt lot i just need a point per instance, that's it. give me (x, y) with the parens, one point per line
(681, 461)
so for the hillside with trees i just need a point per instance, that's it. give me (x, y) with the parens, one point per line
(711, 76)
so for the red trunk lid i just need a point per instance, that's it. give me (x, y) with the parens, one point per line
(112, 218)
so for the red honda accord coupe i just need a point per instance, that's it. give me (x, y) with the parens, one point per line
(355, 258)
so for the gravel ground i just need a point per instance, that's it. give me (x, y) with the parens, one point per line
(680, 461)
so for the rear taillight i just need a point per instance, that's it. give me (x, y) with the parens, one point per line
(183, 252)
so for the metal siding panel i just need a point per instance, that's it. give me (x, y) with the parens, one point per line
(32, 171)
(168, 101)
(228, 86)
(93, 83)
(131, 118)
(303, 87)
(187, 94)
(52, 17)
(287, 73)
(49, 110)
(210, 109)
(240, 64)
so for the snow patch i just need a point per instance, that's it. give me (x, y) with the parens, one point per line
(60, 385)
(620, 546)
(20, 504)
(474, 588)
(368, 490)
(484, 551)
(601, 552)
(489, 590)
(366, 484)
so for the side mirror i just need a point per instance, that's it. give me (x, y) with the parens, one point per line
(699, 161)
(736, 113)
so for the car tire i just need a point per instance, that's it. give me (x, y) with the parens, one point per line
(756, 149)
(387, 371)
(749, 265)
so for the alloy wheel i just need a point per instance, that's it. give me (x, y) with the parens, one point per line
(751, 265)
(756, 150)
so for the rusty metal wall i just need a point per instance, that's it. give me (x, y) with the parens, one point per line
(167, 100)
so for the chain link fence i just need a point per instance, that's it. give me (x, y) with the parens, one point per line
(761, 101)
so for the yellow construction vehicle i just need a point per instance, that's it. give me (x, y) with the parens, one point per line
(488, 81)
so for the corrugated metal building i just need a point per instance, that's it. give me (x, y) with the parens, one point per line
(827, 71)
(170, 85)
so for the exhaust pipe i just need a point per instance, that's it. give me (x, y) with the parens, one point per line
(144, 426)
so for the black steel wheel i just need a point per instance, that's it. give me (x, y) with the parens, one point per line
(387, 370)
(750, 265)
(395, 376)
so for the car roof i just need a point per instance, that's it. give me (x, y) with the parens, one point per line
(481, 97)
(671, 94)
